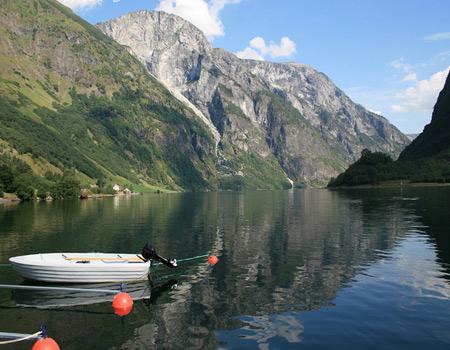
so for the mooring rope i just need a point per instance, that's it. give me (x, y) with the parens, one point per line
(25, 337)
(183, 260)
(193, 258)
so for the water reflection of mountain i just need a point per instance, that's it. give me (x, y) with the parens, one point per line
(279, 251)
(433, 210)
(120, 224)
(428, 209)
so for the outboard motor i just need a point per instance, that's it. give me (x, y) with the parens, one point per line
(149, 253)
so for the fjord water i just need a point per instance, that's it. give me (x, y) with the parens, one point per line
(310, 269)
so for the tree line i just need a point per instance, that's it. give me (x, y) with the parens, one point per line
(17, 177)
(373, 168)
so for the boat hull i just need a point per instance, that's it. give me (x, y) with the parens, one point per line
(65, 268)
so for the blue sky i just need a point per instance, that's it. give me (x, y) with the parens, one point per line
(392, 56)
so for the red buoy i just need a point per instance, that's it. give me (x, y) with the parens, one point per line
(122, 304)
(45, 344)
(212, 260)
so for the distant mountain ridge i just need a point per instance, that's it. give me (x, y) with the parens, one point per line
(284, 117)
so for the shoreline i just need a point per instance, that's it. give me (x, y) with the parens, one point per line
(91, 196)
(9, 200)
(390, 185)
(394, 184)
(102, 195)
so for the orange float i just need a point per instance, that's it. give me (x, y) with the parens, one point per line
(212, 260)
(122, 304)
(46, 344)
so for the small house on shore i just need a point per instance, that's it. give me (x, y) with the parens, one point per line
(127, 191)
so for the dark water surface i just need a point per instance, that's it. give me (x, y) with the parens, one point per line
(303, 269)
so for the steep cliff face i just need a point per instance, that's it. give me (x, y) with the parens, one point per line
(435, 138)
(284, 117)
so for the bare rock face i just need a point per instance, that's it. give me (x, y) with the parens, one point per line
(285, 117)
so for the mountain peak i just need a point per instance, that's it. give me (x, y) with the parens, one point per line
(170, 28)
(285, 114)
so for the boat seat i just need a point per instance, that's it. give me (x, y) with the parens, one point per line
(114, 262)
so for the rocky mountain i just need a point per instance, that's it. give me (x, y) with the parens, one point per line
(281, 117)
(435, 138)
(73, 99)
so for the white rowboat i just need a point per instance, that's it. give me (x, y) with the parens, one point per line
(81, 267)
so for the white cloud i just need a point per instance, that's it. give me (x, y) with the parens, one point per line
(204, 14)
(443, 55)
(251, 54)
(437, 37)
(80, 4)
(258, 49)
(115, 1)
(400, 64)
(422, 95)
(410, 77)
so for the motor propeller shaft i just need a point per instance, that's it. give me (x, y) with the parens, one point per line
(149, 253)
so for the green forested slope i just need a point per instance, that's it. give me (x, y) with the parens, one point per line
(72, 99)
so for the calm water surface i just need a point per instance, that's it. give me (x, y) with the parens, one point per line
(303, 269)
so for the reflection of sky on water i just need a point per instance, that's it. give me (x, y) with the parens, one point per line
(262, 329)
(381, 308)
(414, 265)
